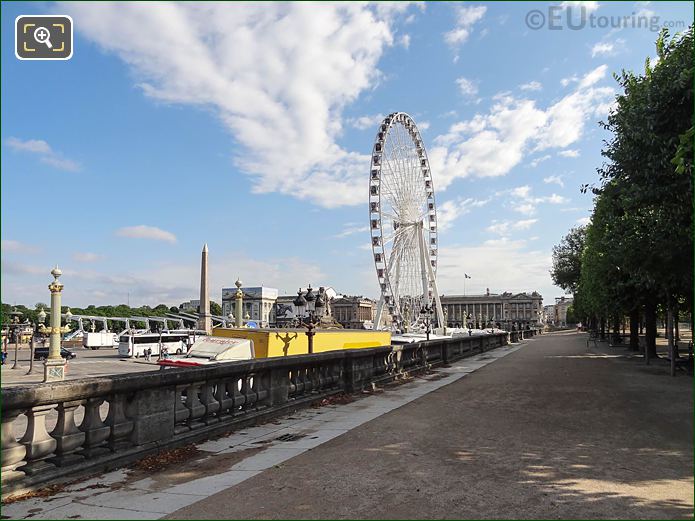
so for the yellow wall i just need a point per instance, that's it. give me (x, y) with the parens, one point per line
(281, 342)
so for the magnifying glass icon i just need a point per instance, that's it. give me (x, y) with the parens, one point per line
(43, 35)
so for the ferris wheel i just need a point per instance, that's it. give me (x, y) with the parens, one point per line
(403, 224)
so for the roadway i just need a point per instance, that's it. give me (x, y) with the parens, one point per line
(88, 363)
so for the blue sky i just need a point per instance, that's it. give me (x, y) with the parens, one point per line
(249, 127)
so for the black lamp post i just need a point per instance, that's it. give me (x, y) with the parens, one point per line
(13, 330)
(310, 307)
(426, 312)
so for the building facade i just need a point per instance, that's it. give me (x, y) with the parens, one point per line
(258, 304)
(191, 305)
(506, 309)
(354, 312)
(560, 310)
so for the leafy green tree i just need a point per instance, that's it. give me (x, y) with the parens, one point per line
(215, 308)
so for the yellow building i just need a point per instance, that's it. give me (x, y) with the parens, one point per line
(283, 342)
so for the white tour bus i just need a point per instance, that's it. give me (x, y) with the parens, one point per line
(134, 344)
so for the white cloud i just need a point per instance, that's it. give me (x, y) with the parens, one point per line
(405, 41)
(608, 48)
(571, 79)
(492, 144)
(277, 75)
(18, 247)
(143, 231)
(466, 18)
(539, 160)
(505, 228)
(501, 265)
(569, 153)
(524, 202)
(366, 122)
(588, 6)
(86, 257)
(531, 85)
(352, 228)
(46, 154)
(449, 211)
(521, 191)
(423, 125)
(602, 49)
(557, 179)
(467, 87)
(35, 146)
(584, 221)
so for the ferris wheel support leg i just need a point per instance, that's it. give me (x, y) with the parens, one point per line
(379, 311)
(429, 280)
(423, 263)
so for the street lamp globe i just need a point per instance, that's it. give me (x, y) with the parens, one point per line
(42, 316)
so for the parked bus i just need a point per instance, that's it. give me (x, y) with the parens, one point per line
(134, 344)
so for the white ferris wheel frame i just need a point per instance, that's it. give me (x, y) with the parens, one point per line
(427, 243)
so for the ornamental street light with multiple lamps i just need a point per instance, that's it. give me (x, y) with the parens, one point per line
(310, 307)
(54, 366)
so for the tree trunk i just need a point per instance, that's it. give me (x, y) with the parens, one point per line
(603, 328)
(650, 329)
(634, 330)
(616, 330)
(676, 315)
(669, 335)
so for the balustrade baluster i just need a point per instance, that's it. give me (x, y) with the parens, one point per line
(181, 412)
(38, 443)
(250, 391)
(121, 425)
(12, 452)
(225, 397)
(95, 430)
(68, 437)
(210, 402)
(194, 405)
(239, 395)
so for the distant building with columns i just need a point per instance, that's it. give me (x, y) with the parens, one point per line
(506, 309)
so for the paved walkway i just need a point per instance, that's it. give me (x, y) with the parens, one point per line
(549, 431)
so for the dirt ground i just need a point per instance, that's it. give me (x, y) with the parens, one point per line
(551, 431)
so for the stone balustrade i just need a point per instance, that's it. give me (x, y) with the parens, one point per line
(127, 416)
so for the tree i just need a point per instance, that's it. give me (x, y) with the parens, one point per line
(638, 250)
(215, 308)
(567, 260)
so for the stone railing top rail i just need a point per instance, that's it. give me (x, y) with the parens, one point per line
(30, 396)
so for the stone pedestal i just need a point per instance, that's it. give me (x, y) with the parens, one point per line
(54, 370)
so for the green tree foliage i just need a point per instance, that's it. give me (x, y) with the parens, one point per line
(567, 260)
(215, 308)
(638, 249)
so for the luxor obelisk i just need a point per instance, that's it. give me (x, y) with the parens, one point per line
(204, 321)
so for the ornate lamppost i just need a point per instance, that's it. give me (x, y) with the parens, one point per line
(238, 303)
(445, 311)
(314, 311)
(54, 366)
(426, 312)
(14, 331)
(35, 329)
